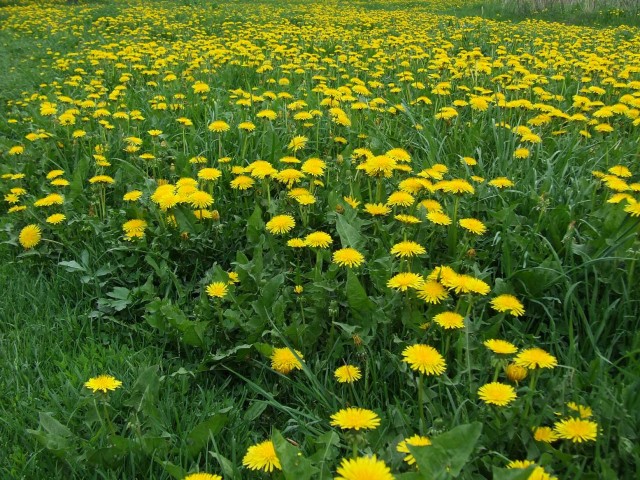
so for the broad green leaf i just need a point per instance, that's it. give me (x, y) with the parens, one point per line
(176, 471)
(186, 220)
(72, 266)
(357, 297)
(350, 235)
(201, 433)
(294, 465)
(144, 393)
(255, 225)
(270, 290)
(51, 425)
(448, 452)
(225, 465)
(512, 473)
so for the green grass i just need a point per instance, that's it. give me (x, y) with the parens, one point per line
(198, 404)
(583, 13)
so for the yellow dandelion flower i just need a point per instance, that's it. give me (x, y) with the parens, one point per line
(318, 240)
(432, 292)
(376, 209)
(219, 126)
(515, 373)
(132, 196)
(501, 182)
(424, 359)
(56, 218)
(405, 280)
(533, 358)
(473, 225)
(414, 441)
(449, 320)
(544, 434)
(347, 374)
(30, 236)
(284, 361)
(217, 289)
(348, 257)
(439, 218)
(280, 224)
(297, 143)
(363, 468)
(508, 303)
(262, 457)
(102, 383)
(496, 393)
(501, 347)
(407, 249)
(355, 418)
(576, 429)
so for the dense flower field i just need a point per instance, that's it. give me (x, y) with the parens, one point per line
(407, 231)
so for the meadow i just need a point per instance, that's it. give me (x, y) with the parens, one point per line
(312, 240)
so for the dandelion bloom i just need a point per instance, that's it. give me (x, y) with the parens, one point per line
(242, 182)
(209, 174)
(500, 346)
(56, 218)
(473, 225)
(544, 434)
(515, 373)
(376, 209)
(439, 218)
(501, 182)
(633, 209)
(134, 228)
(457, 185)
(314, 167)
(30, 236)
(348, 257)
(407, 249)
(296, 243)
(533, 358)
(200, 199)
(409, 219)
(202, 476)
(496, 393)
(584, 411)
(363, 468)
(465, 284)
(508, 303)
(414, 441)
(132, 196)
(347, 374)
(280, 224)
(400, 198)
(355, 418)
(405, 280)
(218, 126)
(101, 179)
(424, 359)
(521, 153)
(576, 429)
(298, 143)
(102, 383)
(449, 320)
(432, 292)
(284, 361)
(217, 289)
(318, 240)
(538, 473)
(262, 457)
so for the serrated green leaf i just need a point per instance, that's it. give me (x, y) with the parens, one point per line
(294, 465)
(202, 433)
